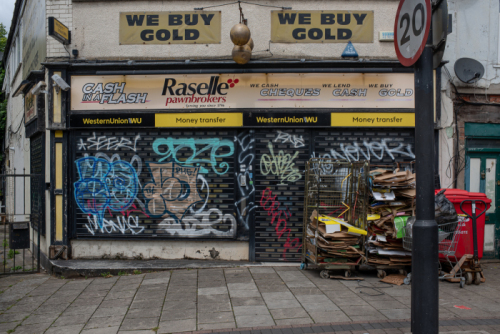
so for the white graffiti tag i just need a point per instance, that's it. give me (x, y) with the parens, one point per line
(370, 150)
(202, 224)
(245, 204)
(108, 143)
(283, 137)
(122, 224)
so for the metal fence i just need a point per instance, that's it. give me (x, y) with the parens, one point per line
(22, 217)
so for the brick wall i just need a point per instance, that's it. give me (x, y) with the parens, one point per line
(63, 11)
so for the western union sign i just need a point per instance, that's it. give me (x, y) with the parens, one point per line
(321, 26)
(197, 27)
(287, 119)
(373, 119)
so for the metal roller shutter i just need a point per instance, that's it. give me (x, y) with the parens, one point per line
(279, 184)
(37, 160)
(165, 184)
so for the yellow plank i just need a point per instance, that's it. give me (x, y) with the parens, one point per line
(199, 120)
(373, 119)
(59, 166)
(58, 134)
(59, 217)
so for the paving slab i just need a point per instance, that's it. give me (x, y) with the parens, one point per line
(102, 322)
(140, 323)
(289, 313)
(216, 326)
(175, 326)
(70, 329)
(211, 318)
(103, 330)
(254, 321)
(241, 301)
(250, 310)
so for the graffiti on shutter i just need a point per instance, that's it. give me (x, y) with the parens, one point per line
(171, 184)
(281, 156)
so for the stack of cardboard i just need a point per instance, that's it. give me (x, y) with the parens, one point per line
(393, 202)
(334, 239)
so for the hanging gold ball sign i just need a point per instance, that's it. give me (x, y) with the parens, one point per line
(243, 44)
(242, 54)
(240, 34)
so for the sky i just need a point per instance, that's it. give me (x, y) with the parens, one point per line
(6, 11)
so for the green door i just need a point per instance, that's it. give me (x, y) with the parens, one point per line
(483, 175)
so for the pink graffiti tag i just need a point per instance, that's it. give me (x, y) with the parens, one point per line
(279, 219)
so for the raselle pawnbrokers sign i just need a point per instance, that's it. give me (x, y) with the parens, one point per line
(231, 91)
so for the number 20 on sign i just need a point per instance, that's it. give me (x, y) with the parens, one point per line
(411, 29)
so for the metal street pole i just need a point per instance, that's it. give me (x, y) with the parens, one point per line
(424, 288)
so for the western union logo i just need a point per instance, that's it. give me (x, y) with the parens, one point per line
(199, 120)
(287, 119)
(111, 121)
(374, 119)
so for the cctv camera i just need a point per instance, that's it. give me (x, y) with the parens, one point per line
(39, 88)
(59, 82)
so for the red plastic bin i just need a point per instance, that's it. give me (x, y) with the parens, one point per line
(466, 243)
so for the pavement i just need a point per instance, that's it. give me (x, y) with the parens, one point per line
(244, 300)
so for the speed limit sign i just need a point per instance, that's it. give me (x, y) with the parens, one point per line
(411, 29)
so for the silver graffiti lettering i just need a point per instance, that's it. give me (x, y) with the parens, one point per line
(108, 143)
(281, 165)
(283, 137)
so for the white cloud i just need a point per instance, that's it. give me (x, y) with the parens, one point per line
(6, 12)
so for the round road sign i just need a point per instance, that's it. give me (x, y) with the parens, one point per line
(411, 29)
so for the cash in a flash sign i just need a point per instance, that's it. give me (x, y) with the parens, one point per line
(59, 31)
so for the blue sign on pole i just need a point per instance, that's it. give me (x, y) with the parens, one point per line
(349, 51)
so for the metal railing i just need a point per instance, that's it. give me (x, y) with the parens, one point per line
(22, 216)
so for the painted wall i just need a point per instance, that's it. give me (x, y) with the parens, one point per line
(96, 29)
(156, 249)
(17, 150)
(475, 35)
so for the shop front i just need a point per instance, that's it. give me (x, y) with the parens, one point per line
(159, 163)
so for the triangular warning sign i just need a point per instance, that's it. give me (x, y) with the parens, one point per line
(349, 51)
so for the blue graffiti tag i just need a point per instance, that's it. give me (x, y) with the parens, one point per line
(213, 144)
(104, 184)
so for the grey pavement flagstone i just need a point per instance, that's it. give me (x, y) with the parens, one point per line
(103, 330)
(222, 299)
(254, 320)
(217, 326)
(210, 318)
(174, 326)
(140, 323)
(213, 291)
(104, 322)
(70, 329)
(250, 310)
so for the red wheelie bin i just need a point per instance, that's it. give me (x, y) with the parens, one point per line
(471, 243)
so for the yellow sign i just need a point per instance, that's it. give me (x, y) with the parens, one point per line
(373, 119)
(319, 26)
(29, 107)
(197, 27)
(61, 29)
(198, 120)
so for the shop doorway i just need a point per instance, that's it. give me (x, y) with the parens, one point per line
(483, 175)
